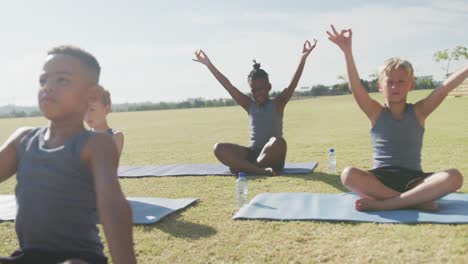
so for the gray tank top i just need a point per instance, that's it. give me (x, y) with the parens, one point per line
(265, 122)
(55, 195)
(397, 142)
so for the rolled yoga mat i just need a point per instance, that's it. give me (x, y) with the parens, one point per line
(453, 209)
(146, 210)
(201, 170)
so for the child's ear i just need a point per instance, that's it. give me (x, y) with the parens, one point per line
(94, 93)
(269, 86)
(380, 86)
(107, 109)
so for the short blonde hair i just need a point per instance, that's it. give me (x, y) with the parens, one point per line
(396, 63)
(105, 97)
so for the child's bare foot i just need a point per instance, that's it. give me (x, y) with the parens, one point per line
(270, 172)
(366, 204)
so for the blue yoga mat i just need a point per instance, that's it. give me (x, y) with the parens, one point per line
(340, 207)
(146, 210)
(201, 170)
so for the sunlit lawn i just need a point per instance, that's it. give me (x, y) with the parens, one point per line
(205, 233)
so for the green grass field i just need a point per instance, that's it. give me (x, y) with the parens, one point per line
(205, 233)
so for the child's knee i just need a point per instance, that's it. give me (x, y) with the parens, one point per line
(348, 175)
(281, 141)
(278, 142)
(217, 148)
(455, 178)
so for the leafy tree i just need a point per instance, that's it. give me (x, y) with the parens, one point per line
(457, 53)
(424, 82)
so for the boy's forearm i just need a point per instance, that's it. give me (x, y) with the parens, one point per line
(116, 219)
(353, 75)
(455, 79)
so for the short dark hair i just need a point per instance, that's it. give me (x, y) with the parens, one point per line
(86, 58)
(257, 73)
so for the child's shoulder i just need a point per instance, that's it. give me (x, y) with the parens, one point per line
(98, 142)
(21, 132)
(97, 136)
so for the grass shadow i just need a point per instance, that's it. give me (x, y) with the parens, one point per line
(330, 179)
(176, 227)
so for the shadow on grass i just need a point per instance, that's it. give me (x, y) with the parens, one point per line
(330, 179)
(176, 227)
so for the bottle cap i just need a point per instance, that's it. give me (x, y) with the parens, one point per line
(332, 150)
(242, 174)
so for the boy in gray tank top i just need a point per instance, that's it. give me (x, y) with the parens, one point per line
(266, 153)
(397, 180)
(66, 175)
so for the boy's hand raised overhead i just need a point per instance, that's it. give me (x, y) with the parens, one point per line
(340, 39)
(201, 57)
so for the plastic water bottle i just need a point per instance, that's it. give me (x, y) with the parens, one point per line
(242, 190)
(332, 161)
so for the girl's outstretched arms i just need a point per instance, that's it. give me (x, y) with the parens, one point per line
(240, 98)
(368, 105)
(283, 98)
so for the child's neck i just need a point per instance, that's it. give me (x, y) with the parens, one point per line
(103, 127)
(397, 109)
(59, 131)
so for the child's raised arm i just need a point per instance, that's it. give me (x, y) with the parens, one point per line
(115, 213)
(8, 154)
(369, 106)
(283, 98)
(240, 98)
(432, 101)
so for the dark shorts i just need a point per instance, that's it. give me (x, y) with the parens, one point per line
(399, 179)
(252, 155)
(31, 256)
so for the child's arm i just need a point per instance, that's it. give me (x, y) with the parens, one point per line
(283, 98)
(119, 141)
(427, 105)
(8, 154)
(240, 98)
(369, 106)
(115, 213)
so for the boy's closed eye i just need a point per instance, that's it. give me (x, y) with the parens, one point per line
(62, 80)
(59, 80)
(42, 81)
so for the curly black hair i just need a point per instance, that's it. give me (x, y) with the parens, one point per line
(257, 73)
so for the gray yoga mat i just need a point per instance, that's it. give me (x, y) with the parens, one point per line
(201, 170)
(340, 207)
(146, 210)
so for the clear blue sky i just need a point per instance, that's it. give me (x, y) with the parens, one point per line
(145, 47)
